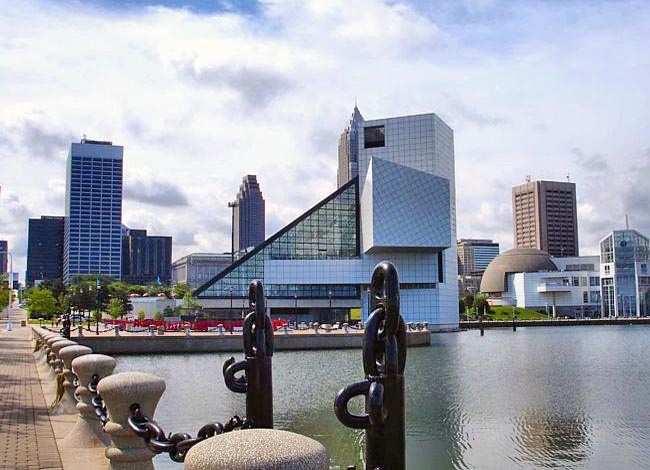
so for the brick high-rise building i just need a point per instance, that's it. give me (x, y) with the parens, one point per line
(545, 217)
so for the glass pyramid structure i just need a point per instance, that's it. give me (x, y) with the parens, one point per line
(330, 230)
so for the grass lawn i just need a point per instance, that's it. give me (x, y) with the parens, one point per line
(505, 313)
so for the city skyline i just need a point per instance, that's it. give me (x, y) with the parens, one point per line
(192, 131)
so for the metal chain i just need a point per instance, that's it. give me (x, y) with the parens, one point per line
(97, 401)
(384, 358)
(177, 445)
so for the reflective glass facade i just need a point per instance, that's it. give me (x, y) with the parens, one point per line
(329, 231)
(624, 274)
(93, 224)
(45, 249)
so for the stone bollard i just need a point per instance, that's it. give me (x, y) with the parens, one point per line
(116, 329)
(41, 354)
(51, 357)
(346, 327)
(80, 330)
(87, 431)
(188, 332)
(55, 388)
(152, 331)
(221, 329)
(128, 451)
(68, 354)
(258, 449)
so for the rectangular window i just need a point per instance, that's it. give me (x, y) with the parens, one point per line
(585, 297)
(373, 137)
(606, 269)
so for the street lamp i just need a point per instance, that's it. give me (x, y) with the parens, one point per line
(230, 312)
(98, 309)
(232, 205)
(295, 308)
(10, 284)
(329, 294)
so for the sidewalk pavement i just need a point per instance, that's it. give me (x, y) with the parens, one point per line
(27, 441)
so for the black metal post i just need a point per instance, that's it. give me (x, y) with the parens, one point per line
(295, 308)
(329, 312)
(257, 380)
(232, 205)
(384, 358)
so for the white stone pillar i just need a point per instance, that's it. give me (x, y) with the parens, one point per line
(128, 451)
(68, 354)
(87, 431)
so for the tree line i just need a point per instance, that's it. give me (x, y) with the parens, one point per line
(93, 295)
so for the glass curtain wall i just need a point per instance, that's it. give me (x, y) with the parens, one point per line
(330, 230)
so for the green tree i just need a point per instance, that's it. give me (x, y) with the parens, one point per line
(189, 301)
(481, 304)
(41, 302)
(468, 299)
(141, 315)
(115, 308)
(182, 289)
(157, 316)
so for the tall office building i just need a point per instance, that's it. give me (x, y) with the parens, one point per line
(474, 255)
(349, 149)
(146, 258)
(545, 217)
(45, 249)
(400, 207)
(93, 210)
(4, 248)
(624, 274)
(249, 220)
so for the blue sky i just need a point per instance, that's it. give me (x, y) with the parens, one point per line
(201, 93)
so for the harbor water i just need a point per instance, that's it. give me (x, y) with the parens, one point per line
(563, 397)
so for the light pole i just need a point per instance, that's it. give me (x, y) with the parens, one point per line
(98, 309)
(232, 205)
(230, 312)
(295, 308)
(329, 316)
(10, 284)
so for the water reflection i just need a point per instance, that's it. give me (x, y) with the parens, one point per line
(545, 440)
(541, 397)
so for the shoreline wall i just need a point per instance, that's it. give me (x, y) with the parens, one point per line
(197, 343)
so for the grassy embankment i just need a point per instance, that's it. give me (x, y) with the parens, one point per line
(505, 313)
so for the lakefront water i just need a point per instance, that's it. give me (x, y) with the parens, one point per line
(563, 397)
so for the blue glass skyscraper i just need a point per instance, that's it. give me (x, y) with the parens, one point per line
(93, 210)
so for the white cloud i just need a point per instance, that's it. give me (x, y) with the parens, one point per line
(523, 85)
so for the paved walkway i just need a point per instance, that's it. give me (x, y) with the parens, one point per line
(26, 437)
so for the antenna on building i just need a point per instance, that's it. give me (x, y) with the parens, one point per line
(527, 178)
(627, 223)
(568, 177)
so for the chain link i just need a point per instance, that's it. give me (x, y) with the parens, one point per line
(97, 401)
(177, 445)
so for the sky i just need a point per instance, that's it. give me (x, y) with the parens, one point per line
(201, 93)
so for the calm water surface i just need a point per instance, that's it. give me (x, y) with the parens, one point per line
(570, 397)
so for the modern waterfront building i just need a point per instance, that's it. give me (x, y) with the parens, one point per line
(45, 249)
(399, 206)
(532, 279)
(198, 268)
(146, 258)
(92, 237)
(249, 215)
(545, 217)
(624, 274)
